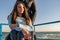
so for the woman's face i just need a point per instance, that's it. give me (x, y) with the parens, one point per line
(20, 8)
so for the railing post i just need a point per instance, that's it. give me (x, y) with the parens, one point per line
(0, 32)
(34, 29)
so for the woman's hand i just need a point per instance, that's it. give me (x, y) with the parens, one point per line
(26, 34)
(13, 26)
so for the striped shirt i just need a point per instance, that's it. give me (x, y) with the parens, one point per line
(22, 24)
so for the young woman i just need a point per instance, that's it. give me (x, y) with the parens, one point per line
(31, 8)
(20, 23)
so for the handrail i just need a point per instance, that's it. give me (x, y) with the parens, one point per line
(33, 25)
(37, 24)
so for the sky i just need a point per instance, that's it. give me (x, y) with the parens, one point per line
(48, 28)
(47, 10)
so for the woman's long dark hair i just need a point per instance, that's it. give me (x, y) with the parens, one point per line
(14, 14)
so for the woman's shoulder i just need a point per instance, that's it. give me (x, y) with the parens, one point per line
(9, 17)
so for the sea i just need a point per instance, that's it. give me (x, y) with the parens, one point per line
(40, 35)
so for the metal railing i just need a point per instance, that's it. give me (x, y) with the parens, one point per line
(33, 25)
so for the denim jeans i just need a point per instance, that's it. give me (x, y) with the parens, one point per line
(16, 35)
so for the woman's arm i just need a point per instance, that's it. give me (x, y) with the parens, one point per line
(32, 11)
(30, 3)
(26, 34)
(9, 18)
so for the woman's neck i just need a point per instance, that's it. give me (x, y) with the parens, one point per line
(20, 14)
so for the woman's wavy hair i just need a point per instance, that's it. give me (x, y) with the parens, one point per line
(14, 14)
